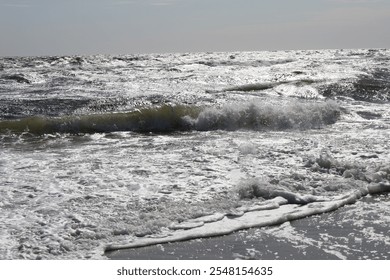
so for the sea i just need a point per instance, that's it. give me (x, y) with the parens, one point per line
(106, 152)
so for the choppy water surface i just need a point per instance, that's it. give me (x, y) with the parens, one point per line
(103, 152)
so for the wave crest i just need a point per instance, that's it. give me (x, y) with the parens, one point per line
(169, 118)
(261, 116)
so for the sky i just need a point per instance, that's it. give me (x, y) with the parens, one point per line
(79, 27)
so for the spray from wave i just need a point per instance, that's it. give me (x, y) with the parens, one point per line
(257, 116)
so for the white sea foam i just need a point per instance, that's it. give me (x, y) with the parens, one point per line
(260, 116)
(257, 218)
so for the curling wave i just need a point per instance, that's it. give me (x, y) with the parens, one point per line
(167, 118)
(262, 86)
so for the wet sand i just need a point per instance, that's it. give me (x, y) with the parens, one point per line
(358, 231)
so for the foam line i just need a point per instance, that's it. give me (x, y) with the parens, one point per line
(260, 218)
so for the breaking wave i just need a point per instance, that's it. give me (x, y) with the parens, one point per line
(166, 118)
(261, 117)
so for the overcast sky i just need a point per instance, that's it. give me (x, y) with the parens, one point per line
(59, 27)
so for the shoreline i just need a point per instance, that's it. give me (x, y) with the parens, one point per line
(352, 232)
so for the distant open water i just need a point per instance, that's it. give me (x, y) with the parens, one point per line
(106, 152)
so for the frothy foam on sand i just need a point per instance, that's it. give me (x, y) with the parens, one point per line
(272, 212)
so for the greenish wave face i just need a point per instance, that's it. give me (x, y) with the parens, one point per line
(167, 118)
(160, 119)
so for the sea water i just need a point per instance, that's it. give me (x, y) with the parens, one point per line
(106, 152)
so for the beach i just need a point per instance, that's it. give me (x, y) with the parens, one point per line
(330, 236)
